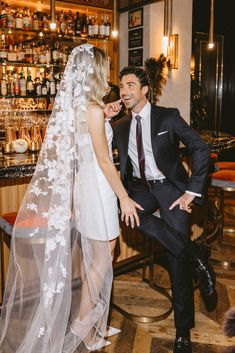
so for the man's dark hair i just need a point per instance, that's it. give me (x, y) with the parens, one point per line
(138, 72)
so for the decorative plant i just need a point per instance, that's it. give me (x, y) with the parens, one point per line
(199, 102)
(158, 69)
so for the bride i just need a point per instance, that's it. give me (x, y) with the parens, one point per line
(60, 271)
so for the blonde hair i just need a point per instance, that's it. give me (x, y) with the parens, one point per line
(99, 86)
(97, 80)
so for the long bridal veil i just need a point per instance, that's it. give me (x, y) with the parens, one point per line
(59, 275)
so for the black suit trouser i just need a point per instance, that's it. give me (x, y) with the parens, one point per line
(172, 231)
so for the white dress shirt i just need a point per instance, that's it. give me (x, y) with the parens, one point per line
(152, 172)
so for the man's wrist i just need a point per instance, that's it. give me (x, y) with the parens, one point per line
(193, 193)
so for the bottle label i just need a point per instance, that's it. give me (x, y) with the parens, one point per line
(3, 54)
(22, 87)
(3, 88)
(102, 30)
(55, 55)
(19, 23)
(107, 31)
(36, 25)
(52, 88)
(95, 30)
(30, 86)
(39, 90)
(44, 90)
(26, 22)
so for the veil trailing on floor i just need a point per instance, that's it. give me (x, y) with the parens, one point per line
(59, 276)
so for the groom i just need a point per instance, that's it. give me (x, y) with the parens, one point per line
(148, 146)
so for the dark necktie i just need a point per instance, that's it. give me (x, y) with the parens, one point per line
(140, 150)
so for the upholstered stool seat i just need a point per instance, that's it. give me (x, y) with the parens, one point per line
(223, 181)
(224, 178)
(225, 165)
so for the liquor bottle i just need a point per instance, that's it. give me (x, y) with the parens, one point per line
(12, 53)
(26, 20)
(22, 84)
(102, 28)
(38, 85)
(21, 53)
(28, 55)
(55, 53)
(10, 18)
(84, 33)
(70, 24)
(57, 82)
(107, 28)
(90, 27)
(36, 22)
(52, 86)
(45, 23)
(4, 84)
(77, 25)
(16, 84)
(65, 55)
(35, 54)
(44, 86)
(48, 54)
(18, 19)
(3, 16)
(95, 27)
(10, 83)
(3, 49)
(62, 28)
(29, 85)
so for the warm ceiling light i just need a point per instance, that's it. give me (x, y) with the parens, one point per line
(52, 26)
(114, 33)
(211, 31)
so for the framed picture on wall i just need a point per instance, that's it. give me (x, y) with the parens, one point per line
(135, 57)
(135, 38)
(135, 18)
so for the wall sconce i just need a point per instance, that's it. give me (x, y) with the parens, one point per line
(53, 21)
(115, 30)
(170, 41)
(211, 31)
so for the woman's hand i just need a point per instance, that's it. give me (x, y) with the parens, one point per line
(128, 211)
(112, 109)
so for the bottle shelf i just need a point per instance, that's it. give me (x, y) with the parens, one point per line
(27, 97)
(24, 64)
(27, 110)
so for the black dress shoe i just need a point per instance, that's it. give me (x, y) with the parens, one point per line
(205, 276)
(182, 345)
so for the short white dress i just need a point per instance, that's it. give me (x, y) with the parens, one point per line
(97, 203)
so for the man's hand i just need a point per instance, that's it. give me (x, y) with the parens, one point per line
(112, 109)
(183, 202)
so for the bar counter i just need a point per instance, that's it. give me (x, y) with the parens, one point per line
(17, 165)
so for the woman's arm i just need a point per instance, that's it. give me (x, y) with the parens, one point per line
(100, 145)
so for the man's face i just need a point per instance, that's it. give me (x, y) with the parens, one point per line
(131, 93)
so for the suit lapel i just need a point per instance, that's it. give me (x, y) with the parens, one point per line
(155, 121)
(125, 132)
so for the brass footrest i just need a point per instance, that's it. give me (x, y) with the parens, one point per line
(141, 261)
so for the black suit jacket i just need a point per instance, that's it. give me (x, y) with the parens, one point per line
(168, 128)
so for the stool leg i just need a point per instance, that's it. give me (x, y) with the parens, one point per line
(2, 266)
(221, 197)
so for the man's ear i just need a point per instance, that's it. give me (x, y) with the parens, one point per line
(145, 90)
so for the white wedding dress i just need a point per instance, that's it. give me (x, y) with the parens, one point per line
(60, 268)
(99, 223)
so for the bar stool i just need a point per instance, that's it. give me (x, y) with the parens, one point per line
(223, 181)
(7, 221)
(145, 260)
